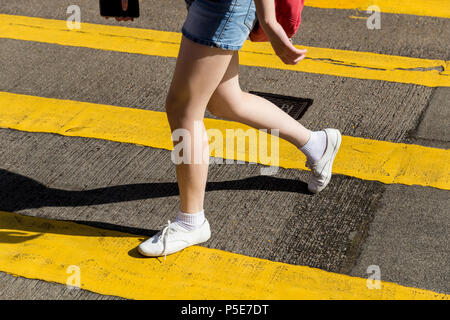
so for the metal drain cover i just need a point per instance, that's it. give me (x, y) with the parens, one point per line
(295, 107)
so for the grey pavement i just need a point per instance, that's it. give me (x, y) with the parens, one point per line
(409, 238)
(433, 129)
(346, 228)
(12, 288)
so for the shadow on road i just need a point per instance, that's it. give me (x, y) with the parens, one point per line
(18, 192)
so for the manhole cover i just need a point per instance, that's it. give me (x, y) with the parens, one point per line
(295, 107)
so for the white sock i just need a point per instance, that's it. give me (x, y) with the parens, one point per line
(316, 145)
(190, 221)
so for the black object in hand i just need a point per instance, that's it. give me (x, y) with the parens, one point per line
(113, 8)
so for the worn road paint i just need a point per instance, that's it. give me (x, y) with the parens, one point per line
(342, 63)
(433, 8)
(366, 159)
(109, 264)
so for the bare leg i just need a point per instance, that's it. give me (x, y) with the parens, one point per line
(230, 102)
(198, 72)
(204, 77)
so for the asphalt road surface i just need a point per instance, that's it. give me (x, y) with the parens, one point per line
(114, 186)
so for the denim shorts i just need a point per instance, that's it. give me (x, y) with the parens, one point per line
(223, 24)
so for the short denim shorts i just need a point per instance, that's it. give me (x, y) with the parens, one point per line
(223, 24)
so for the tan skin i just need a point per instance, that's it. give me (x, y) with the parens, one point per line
(207, 78)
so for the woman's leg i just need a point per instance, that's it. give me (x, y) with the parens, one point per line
(320, 147)
(198, 72)
(231, 103)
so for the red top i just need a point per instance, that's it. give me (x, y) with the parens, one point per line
(289, 16)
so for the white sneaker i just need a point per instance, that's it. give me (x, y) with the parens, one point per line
(173, 238)
(321, 169)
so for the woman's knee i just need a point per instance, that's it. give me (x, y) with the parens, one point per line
(216, 108)
(174, 102)
(176, 105)
(181, 112)
(225, 106)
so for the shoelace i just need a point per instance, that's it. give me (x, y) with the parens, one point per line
(164, 236)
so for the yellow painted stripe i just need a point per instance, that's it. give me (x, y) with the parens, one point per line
(434, 8)
(342, 63)
(361, 158)
(109, 264)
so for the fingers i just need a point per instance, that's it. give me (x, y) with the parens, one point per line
(121, 18)
(287, 52)
(290, 58)
(299, 59)
(124, 19)
(124, 5)
(298, 51)
(292, 55)
(296, 55)
(124, 8)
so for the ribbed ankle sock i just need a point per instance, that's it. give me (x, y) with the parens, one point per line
(190, 221)
(316, 145)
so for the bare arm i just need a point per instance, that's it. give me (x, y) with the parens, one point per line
(265, 10)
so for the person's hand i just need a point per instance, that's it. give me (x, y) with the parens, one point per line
(124, 8)
(282, 45)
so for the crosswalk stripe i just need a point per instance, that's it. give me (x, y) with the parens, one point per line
(342, 63)
(433, 8)
(107, 263)
(366, 159)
